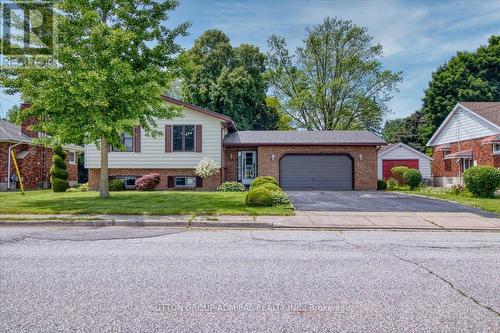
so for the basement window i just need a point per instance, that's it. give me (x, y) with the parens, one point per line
(183, 182)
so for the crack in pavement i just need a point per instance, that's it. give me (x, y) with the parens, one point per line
(449, 283)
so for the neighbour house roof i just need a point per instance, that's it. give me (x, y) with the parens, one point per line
(489, 112)
(193, 107)
(10, 132)
(256, 138)
(385, 149)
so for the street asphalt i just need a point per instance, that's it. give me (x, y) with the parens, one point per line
(145, 279)
(372, 201)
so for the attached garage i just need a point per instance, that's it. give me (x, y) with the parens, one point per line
(326, 172)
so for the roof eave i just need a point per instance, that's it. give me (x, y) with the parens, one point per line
(252, 144)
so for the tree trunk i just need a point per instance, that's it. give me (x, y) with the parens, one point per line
(103, 181)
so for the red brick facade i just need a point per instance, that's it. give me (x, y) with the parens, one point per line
(34, 167)
(364, 157)
(209, 184)
(481, 153)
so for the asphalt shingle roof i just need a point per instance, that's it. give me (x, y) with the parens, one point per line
(488, 110)
(240, 138)
(12, 132)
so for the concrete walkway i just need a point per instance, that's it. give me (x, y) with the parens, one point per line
(302, 220)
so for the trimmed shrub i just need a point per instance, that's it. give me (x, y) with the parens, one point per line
(60, 152)
(398, 172)
(271, 187)
(58, 173)
(413, 178)
(381, 185)
(482, 181)
(258, 181)
(58, 185)
(259, 197)
(392, 183)
(116, 185)
(231, 187)
(147, 182)
(58, 161)
(280, 198)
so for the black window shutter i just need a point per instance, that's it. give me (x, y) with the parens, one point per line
(199, 182)
(170, 181)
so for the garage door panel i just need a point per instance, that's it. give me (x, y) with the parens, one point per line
(316, 172)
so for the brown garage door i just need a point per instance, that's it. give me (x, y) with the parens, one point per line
(316, 172)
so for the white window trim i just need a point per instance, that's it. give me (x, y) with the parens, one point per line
(184, 186)
(75, 158)
(496, 148)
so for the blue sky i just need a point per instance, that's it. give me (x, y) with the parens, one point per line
(417, 36)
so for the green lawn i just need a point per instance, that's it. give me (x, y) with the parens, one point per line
(132, 202)
(466, 198)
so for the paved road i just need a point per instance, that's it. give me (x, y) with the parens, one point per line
(120, 279)
(371, 201)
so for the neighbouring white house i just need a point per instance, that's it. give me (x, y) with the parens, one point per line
(400, 154)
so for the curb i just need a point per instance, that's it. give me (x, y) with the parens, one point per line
(219, 225)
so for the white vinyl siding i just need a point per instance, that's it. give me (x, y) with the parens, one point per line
(153, 155)
(462, 126)
(403, 153)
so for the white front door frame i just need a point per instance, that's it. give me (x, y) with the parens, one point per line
(248, 166)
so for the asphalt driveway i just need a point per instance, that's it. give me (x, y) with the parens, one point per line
(371, 201)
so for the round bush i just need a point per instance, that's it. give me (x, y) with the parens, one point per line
(59, 185)
(413, 178)
(147, 182)
(482, 181)
(259, 197)
(258, 181)
(231, 187)
(280, 198)
(271, 187)
(116, 185)
(381, 185)
(398, 172)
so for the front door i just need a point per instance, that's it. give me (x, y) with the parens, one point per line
(248, 166)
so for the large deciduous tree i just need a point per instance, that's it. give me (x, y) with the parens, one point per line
(335, 81)
(228, 80)
(468, 76)
(112, 66)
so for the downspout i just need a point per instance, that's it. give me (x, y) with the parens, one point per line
(8, 164)
(459, 148)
